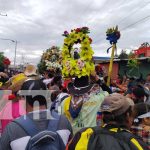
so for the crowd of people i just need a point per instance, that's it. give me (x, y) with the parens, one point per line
(49, 112)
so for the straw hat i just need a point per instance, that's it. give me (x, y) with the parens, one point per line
(16, 82)
(30, 70)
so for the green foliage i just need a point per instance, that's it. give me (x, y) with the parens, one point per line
(133, 61)
(42, 66)
(1, 58)
(123, 55)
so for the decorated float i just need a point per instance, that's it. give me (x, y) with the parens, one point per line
(77, 53)
(51, 60)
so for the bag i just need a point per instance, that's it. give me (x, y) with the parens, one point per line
(45, 140)
(104, 139)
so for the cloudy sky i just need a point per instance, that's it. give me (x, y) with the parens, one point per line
(39, 24)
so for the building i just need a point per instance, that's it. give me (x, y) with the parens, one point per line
(120, 65)
(143, 50)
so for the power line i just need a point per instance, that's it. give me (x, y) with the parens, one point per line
(129, 26)
(145, 18)
(133, 12)
(105, 4)
(111, 11)
(87, 7)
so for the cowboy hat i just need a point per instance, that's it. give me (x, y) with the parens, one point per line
(80, 86)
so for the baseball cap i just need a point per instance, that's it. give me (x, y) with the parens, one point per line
(116, 104)
(144, 110)
(146, 115)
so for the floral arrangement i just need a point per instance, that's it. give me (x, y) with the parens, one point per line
(52, 58)
(77, 62)
(52, 65)
(113, 35)
(6, 61)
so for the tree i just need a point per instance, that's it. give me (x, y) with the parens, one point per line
(123, 55)
(42, 66)
(1, 59)
(131, 55)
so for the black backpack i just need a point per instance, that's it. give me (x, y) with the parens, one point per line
(44, 140)
(104, 139)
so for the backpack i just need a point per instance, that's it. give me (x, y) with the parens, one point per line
(59, 99)
(44, 140)
(104, 139)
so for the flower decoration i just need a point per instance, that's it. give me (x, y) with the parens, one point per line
(6, 61)
(74, 62)
(113, 35)
(52, 58)
(66, 33)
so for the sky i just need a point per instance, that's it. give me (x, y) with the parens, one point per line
(39, 24)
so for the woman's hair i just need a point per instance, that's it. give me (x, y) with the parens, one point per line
(50, 75)
(55, 80)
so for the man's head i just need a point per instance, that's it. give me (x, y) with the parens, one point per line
(80, 86)
(118, 109)
(57, 80)
(35, 93)
(138, 94)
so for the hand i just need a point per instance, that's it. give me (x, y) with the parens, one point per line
(3, 75)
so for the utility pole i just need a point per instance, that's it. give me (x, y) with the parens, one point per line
(15, 53)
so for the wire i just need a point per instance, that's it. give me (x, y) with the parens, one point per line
(86, 8)
(145, 18)
(134, 12)
(129, 26)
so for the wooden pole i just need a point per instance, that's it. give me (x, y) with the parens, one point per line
(111, 64)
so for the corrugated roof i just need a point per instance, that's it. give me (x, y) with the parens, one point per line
(101, 58)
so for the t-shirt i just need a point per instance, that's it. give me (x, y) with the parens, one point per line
(11, 111)
(15, 138)
(88, 113)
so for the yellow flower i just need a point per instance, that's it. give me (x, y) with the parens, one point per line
(77, 68)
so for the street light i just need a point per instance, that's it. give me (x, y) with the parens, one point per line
(14, 41)
(3, 14)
